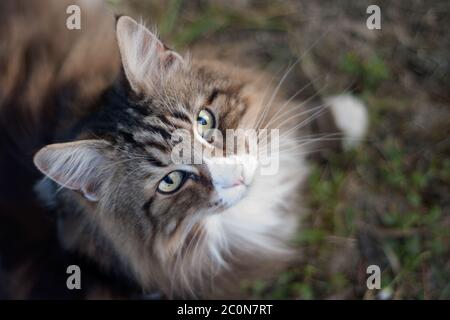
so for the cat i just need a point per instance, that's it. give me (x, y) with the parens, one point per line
(181, 230)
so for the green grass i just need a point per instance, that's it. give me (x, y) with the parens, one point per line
(370, 72)
(214, 19)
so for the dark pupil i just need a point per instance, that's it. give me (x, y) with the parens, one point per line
(168, 180)
(202, 121)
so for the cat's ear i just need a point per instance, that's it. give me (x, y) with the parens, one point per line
(144, 57)
(80, 165)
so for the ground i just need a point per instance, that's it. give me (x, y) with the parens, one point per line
(385, 203)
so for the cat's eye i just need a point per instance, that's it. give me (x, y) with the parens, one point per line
(205, 122)
(172, 182)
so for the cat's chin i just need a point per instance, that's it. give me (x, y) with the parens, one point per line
(232, 195)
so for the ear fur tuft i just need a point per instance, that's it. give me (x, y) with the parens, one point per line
(145, 58)
(80, 165)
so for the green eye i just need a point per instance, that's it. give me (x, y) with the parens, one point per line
(205, 122)
(172, 182)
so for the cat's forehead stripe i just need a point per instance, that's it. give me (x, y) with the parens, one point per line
(181, 115)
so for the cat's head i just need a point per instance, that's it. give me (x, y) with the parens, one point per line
(120, 170)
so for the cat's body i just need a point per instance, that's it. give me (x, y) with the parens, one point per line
(111, 179)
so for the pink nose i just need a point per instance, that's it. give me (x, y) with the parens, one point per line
(238, 182)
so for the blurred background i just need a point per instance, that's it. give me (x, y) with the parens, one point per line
(386, 203)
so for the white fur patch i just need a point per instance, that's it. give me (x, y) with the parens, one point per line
(256, 224)
(351, 118)
(232, 176)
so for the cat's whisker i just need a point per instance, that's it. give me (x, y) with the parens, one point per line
(275, 116)
(302, 113)
(305, 122)
(305, 143)
(262, 98)
(261, 101)
(312, 138)
(292, 67)
(289, 141)
(310, 142)
(298, 108)
(268, 105)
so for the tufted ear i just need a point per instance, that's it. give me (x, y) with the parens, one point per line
(144, 57)
(80, 165)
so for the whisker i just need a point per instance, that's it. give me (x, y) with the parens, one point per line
(292, 67)
(315, 138)
(298, 106)
(275, 116)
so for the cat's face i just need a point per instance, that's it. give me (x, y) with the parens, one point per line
(194, 100)
(173, 96)
(126, 172)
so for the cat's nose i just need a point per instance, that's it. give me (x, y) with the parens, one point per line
(226, 174)
(232, 177)
(231, 172)
(239, 181)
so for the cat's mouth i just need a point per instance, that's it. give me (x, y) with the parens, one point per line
(232, 178)
(231, 195)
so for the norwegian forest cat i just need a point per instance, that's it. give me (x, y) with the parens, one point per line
(95, 110)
